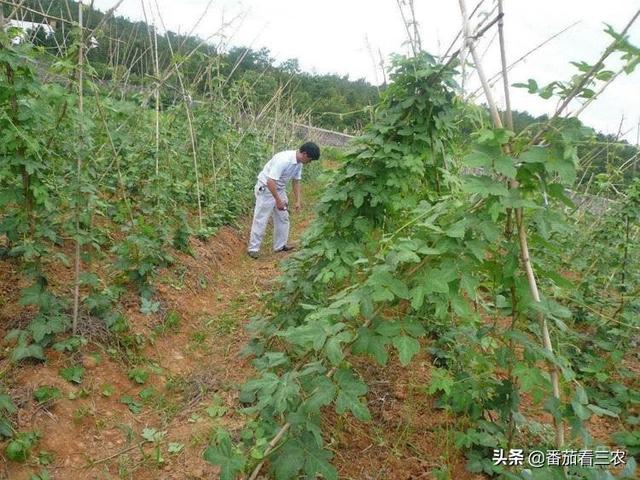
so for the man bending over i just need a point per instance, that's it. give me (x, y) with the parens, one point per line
(271, 196)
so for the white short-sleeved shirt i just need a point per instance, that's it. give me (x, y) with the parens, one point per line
(282, 167)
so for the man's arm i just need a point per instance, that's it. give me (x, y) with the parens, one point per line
(297, 196)
(271, 185)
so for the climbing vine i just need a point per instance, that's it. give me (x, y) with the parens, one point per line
(409, 244)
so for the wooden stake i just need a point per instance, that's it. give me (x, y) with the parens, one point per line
(503, 58)
(76, 292)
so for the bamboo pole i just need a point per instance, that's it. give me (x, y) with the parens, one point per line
(153, 41)
(157, 95)
(503, 59)
(76, 292)
(635, 164)
(522, 234)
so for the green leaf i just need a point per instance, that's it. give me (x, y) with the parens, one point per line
(457, 230)
(417, 296)
(5, 428)
(407, 348)
(72, 374)
(152, 434)
(478, 248)
(530, 378)
(580, 410)
(312, 334)
(138, 375)
(441, 381)
(531, 85)
(477, 159)
(388, 328)
(263, 386)
(223, 454)
(41, 327)
(369, 342)
(36, 295)
(69, 344)
(317, 462)
(287, 390)
(564, 167)
(175, 447)
(601, 411)
(434, 283)
(581, 395)
(334, 348)
(147, 393)
(413, 327)
(298, 454)
(216, 411)
(323, 393)
(90, 279)
(289, 460)
(349, 391)
(394, 285)
(6, 404)
(19, 449)
(107, 390)
(484, 186)
(16, 451)
(134, 406)
(46, 393)
(505, 165)
(534, 155)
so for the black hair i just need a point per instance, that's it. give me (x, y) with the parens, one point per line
(311, 149)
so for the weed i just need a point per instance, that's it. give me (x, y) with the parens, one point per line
(80, 413)
(107, 389)
(135, 407)
(170, 323)
(199, 337)
(138, 375)
(72, 374)
(19, 449)
(45, 394)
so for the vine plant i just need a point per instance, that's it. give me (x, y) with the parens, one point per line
(29, 121)
(404, 245)
(128, 217)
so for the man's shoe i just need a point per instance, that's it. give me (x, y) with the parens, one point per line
(253, 255)
(286, 248)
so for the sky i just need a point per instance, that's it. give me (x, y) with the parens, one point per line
(346, 37)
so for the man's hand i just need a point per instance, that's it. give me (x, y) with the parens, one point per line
(296, 195)
(280, 205)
